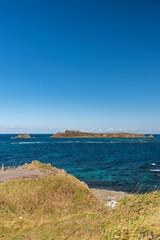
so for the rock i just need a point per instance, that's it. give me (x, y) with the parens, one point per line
(151, 136)
(23, 136)
(107, 195)
(111, 204)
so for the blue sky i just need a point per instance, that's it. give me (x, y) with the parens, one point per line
(89, 65)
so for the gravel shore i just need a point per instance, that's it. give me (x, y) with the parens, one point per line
(107, 197)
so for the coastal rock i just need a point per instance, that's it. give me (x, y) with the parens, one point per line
(23, 136)
(151, 136)
(107, 196)
(78, 134)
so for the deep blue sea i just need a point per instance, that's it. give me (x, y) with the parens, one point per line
(114, 164)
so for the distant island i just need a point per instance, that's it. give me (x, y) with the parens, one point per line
(78, 134)
(23, 136)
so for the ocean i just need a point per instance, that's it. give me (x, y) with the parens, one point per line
(127, 165)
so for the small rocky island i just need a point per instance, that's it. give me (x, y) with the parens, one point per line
(78, 134)
(23, 136)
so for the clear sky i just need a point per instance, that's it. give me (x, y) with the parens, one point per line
(84, 64)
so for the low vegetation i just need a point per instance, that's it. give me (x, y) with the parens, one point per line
(36, 165)
(78, 134)
(61, 207)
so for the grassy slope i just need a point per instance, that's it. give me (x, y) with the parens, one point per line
(60, 207)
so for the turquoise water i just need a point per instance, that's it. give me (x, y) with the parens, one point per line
(115, 164)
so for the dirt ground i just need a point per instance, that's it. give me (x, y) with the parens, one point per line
(19, 174)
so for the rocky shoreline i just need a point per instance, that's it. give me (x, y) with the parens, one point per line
(108, 197)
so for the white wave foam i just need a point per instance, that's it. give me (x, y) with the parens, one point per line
(26, 142)
(105, 142)
(101, 142)
(153, 164)
(154, 170)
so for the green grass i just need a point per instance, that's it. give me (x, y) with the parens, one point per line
(60, 207)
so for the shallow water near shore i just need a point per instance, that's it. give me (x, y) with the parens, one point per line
(113, 164)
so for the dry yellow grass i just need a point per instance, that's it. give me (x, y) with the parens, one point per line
(61, 208)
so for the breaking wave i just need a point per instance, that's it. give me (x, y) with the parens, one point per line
(27, 142)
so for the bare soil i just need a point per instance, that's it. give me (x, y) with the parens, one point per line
(19, 174)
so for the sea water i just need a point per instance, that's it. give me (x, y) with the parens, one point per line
(114, 164)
